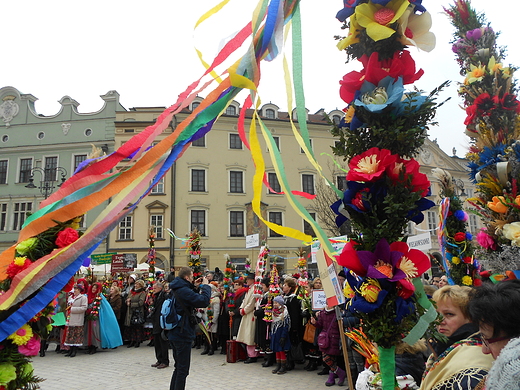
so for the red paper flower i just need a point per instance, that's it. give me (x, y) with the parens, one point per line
(370, 165)
(400, 65)
(66, 237)
(350, 84)
(419, 181)
(459, 237)
(17, 266)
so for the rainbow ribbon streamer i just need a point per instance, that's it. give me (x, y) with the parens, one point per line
(144, 163)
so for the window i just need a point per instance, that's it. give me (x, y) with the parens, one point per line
(51, 163)
(239, 263)
(20, 214)
(125, 228)
(409, 229)
(308, 184)
(25, 170)
(277, 142)
(274, 183)
(234, 141)
(310, 145)
(129, 131)
(236, 184)
(336, 119)
(198, 221)
(3, 171)
(270, 113)
(473, 223)
(194, 105)
(157, 222)
(275, 217)
(159, 187)
(200, 142)
(3, 217)
(78, 159)
(231, 110)
(307, 228)
(432, 221)
(198, 180)
(236, 224)
(341, 182)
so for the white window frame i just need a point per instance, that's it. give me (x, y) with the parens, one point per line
(126, 224)
(157, 223)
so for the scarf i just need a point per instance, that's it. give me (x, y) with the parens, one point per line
(505, 373)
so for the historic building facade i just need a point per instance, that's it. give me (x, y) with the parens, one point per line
(37, 152)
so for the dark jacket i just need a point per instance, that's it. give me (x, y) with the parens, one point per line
(327, 322)
(189, 297)
(155, 311)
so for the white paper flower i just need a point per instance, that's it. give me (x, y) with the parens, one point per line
(415, 30)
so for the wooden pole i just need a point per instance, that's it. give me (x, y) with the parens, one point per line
(344, 348)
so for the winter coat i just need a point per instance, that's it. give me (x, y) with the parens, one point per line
(78, 307)
(280, 330)
(214, 306)
(263, 328)
(223, 319)
(246, 332)
(328, 319)
(137, 298)
(294, 307)
(154, 314)
(116, 302)
(237, 318)
(189, 297)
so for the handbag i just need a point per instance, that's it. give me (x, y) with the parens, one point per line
(323, 337)
(297, 353)
(137, 317)
(310, 333)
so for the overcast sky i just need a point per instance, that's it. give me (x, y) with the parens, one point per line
(145, 51)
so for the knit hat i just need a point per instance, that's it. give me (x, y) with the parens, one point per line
(133, 276)
(280, 300)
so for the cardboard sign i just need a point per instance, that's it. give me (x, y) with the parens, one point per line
(319, 299)
(329, 279)
(125, 262)
(337, 243)
(422, 242)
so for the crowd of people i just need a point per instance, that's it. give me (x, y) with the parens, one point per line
(479, 325)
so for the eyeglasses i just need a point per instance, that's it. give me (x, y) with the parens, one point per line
(488, 342)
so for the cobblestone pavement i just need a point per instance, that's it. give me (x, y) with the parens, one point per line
(129, 369)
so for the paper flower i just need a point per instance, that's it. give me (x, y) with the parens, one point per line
(455, 260)
(512, 232)
(417, 181)
(26, 245)
(476, 73)
(31, 348)
(22, 335)
(353, 34)
(467, 280)
(415, 30)
(370, 290)
(497, 204)
(7, 373)
(66, 237)
(376, 18)
(17, 266)
(459, 236)
(375, 99)
(370, 165)
(348, 9)
(400, 65)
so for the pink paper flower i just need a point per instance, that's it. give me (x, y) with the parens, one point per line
(31, 348)
(485, 240)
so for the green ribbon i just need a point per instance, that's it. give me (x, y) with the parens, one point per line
(387, 367)
(430, 315)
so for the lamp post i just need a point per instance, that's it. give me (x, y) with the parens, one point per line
(49, 179)
(459, 184)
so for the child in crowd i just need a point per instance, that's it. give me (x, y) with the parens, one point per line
(280, 341)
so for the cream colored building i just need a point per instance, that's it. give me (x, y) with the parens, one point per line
(210, 187)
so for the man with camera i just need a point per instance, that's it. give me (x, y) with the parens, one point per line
(189, 294)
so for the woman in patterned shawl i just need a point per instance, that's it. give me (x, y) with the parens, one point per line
(458, 363)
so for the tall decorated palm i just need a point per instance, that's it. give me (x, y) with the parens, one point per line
(384, 127)
(489, 96)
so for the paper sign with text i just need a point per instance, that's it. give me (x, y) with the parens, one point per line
(329, 279)
(319, 299)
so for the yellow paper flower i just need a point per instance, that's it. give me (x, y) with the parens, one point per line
(477, 73)
(415, 30)
(19, 261)
(25, 246)
(512, 232)
(348, 292)
(22, 335)
(493, 66)
(455, 260)
(7, 373)
(353, 34)
(370, 290)
(467, 281)
(376, 18)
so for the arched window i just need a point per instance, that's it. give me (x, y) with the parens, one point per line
(231, 110)
(269, 113)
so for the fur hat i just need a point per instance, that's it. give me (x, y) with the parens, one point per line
(280, 300)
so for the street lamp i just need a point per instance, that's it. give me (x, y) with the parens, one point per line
(48, 181)
(460, 185)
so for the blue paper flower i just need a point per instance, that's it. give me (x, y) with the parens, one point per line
(387, 93)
